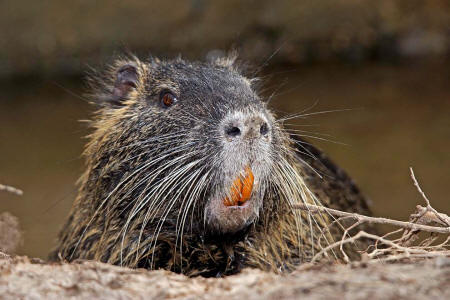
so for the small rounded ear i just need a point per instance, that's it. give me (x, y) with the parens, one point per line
(127, 79)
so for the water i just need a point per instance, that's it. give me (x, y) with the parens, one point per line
(399, 117)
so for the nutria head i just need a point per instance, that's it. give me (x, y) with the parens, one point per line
(195, 140)
(186, 169)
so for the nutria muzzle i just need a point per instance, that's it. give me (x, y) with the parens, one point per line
(246, 164)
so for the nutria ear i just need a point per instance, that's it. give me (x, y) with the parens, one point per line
(127, 79)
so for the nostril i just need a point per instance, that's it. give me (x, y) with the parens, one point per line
(233, 131)
(264, 129)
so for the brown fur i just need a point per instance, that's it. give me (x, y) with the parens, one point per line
(110, 189)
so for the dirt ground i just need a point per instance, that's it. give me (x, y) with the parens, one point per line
(25, 278)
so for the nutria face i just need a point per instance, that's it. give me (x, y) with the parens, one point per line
(201, 137)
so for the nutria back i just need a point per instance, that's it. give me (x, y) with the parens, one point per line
(188, 170)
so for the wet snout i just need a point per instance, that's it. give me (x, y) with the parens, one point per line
(248, 126)
(245, 162)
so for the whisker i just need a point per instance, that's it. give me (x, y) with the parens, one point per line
(307, 132)
(302, 115)
(154, 192)
(263, 65)
(320, 138)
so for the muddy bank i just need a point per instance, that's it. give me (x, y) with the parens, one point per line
(21, 277)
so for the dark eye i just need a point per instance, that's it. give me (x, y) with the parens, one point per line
(167, 98)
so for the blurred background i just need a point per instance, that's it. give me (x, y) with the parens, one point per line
(386, 60)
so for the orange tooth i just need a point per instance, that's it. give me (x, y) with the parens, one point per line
(241, 189)
(247, 185)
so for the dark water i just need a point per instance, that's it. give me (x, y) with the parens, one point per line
(400, 117)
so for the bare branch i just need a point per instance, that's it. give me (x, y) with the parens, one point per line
(11, 189)
(390, 247)
(416, 184)
(444, 218)
(374, 220)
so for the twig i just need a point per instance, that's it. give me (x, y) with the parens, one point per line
(444, 218)
(408, 246)
(416, 184)
(407, 251)
(359, 235)
(11, 189)
(375, 220)
(346, 232)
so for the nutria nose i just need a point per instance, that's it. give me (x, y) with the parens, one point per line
(251, 127)
(232, 131)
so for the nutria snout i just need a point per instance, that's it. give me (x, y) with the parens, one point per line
(246, 151)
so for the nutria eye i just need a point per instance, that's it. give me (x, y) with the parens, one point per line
(167, 99)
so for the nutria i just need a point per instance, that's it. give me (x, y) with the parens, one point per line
(188, 170)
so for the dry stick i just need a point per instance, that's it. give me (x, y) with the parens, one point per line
(11, 189)
(416, 184)
(388, 234)
(354, 238)
(412, 255)
(374, 220)
(440, 216)
(424, 214)
(341, 247)
(408, 252)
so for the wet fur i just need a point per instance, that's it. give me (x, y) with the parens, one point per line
(111, 220)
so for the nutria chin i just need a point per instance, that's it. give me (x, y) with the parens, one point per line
(188, 170)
